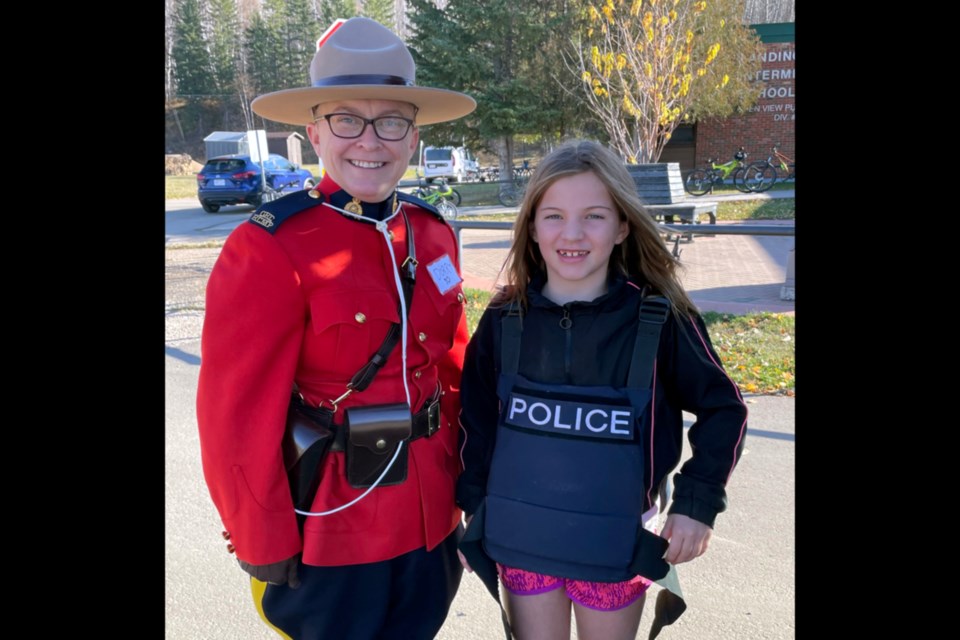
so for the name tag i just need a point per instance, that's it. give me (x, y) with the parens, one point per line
(444, 274)
(571, 418)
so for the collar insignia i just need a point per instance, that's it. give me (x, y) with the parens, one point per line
(263, 218)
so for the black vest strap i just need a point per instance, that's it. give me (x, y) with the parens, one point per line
(653, 313)
(511, 328)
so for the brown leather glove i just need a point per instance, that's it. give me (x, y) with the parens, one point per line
(281, 572)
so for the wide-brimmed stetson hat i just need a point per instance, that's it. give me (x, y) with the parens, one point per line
(363, 60)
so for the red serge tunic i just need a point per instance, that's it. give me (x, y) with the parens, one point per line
(308, 295)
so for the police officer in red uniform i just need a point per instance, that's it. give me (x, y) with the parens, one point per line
(304, 293)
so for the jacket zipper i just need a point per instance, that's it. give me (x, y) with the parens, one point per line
(566, 323)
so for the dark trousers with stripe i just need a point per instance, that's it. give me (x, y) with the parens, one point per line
(406, 598)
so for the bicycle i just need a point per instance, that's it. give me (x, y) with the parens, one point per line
(511, 192)
(701, 181)
(431, 183)
(760, 176)
(524, 171)
(441, 195)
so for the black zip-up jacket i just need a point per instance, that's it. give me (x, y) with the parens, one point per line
(596, 350)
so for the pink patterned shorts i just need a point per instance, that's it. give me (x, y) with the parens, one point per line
(603, 596)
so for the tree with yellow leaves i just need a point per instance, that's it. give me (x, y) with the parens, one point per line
(646, 66)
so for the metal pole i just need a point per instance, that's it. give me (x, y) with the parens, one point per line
(706, 229)
(457, 229)
(263, 171)
(788, 290)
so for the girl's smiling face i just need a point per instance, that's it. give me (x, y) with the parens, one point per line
(576, 226)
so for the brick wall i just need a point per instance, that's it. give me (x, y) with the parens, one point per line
(770, 120)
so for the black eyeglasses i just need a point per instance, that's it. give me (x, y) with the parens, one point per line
(350, 125)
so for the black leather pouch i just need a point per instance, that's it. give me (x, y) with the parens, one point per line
(306, 443)
(373, 434)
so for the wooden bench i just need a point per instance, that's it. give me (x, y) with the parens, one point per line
(661, 191)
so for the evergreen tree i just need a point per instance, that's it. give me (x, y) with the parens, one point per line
(273, 17)
(263, 53)
(299, 31)
(330, 10)
(192, 73)
(381, 11)
(281, 43)
(225, 44)
(502, 53)
(191, 57)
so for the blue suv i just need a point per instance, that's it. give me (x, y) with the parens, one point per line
(235, 179)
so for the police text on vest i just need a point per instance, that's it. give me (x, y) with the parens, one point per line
(572, 418)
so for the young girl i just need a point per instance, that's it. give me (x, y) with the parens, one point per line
(572, 399)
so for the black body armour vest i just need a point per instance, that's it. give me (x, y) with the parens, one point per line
(566, 487)
(565, 494)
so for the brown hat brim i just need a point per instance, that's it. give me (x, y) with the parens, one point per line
(293, 106)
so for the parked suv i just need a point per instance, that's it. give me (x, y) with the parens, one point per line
(235, 179)
(454, 163)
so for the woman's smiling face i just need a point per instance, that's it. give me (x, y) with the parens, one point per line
(366, 167)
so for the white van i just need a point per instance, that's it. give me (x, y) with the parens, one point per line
(456, 164)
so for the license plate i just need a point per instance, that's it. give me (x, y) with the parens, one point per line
(219, 183)
(432, 166)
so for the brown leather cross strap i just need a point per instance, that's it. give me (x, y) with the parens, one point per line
(362, 378)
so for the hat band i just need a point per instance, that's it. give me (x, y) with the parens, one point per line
(334, 81)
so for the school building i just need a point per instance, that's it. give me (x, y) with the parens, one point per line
(769, 122)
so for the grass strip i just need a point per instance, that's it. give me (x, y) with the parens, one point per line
(757, 350)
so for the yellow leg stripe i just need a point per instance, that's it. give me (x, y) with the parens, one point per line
(258, 589)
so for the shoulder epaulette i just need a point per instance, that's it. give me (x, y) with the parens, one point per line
(406, 197)
(270, 215)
